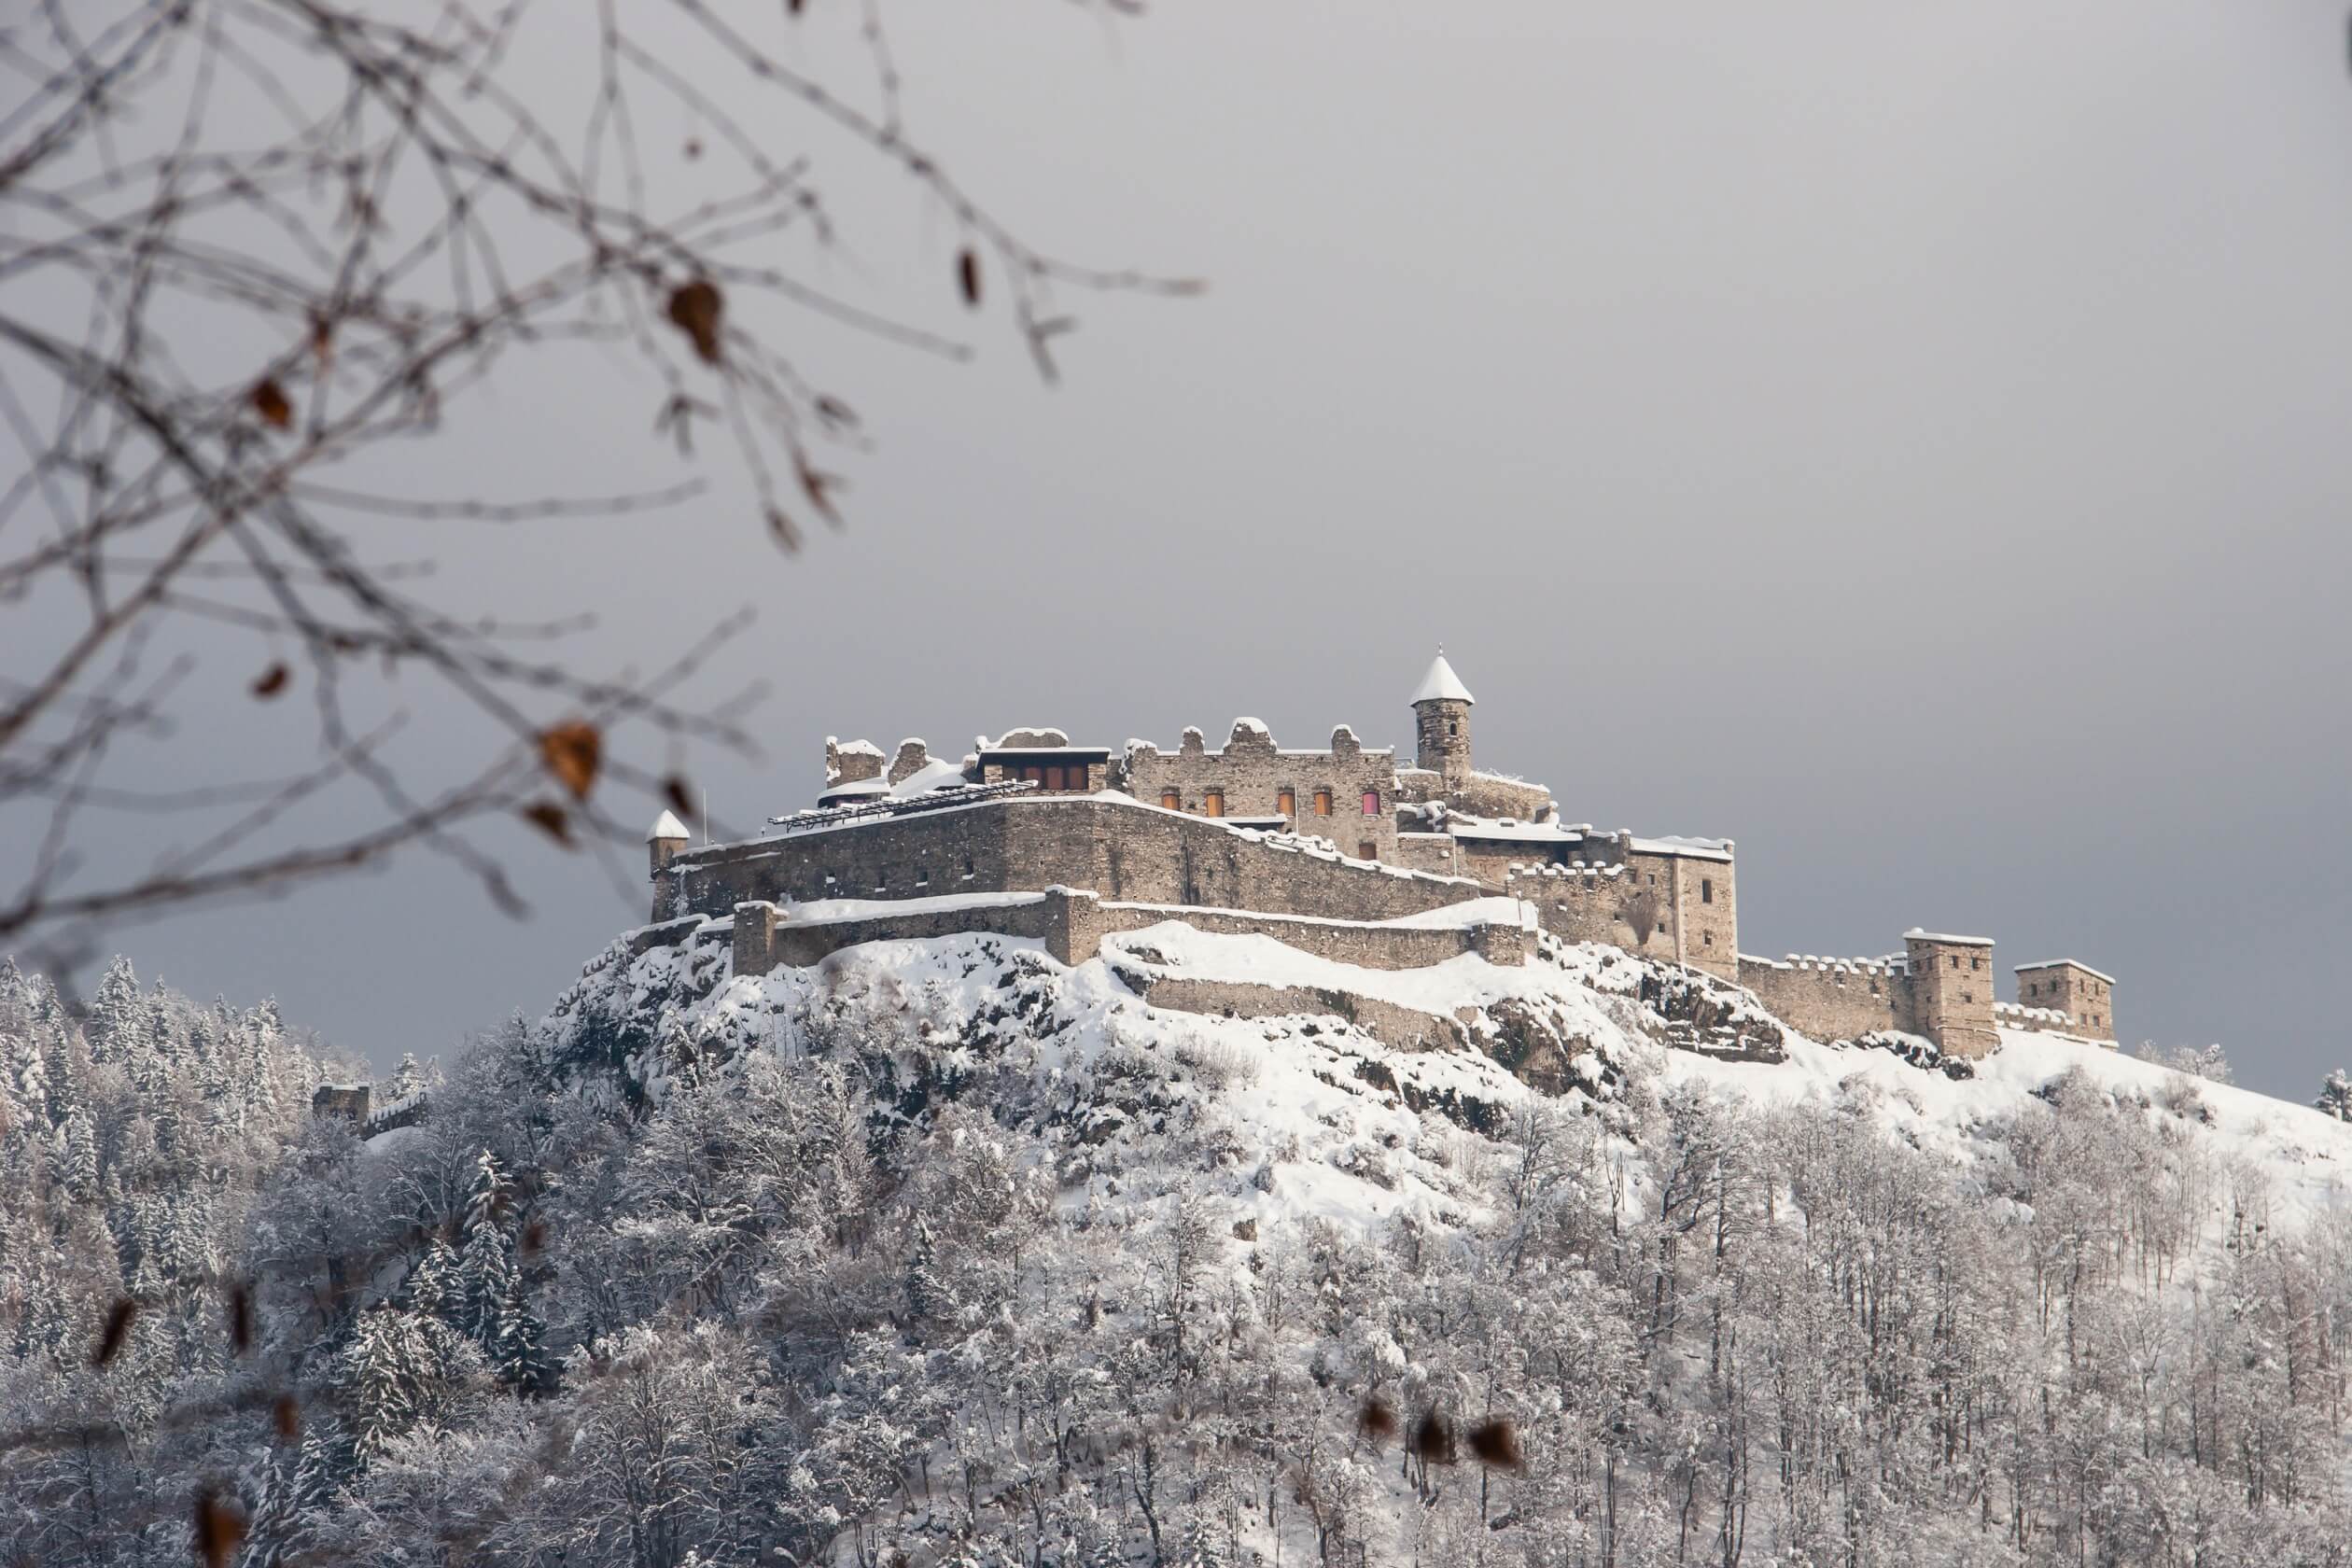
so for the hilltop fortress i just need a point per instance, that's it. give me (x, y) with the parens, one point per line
(1335, 850)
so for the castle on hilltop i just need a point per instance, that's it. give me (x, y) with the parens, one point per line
(1337, 850)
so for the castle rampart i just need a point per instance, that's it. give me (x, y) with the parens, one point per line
(1832, 999)
(1125, 850)
(1072, 923)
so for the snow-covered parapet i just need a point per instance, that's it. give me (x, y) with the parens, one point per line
(846, 762)
(1893, 964)
(1029, 738)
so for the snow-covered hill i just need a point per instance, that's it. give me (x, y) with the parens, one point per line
(1349, 1117)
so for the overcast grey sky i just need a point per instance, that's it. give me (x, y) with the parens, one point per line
(1910, 440)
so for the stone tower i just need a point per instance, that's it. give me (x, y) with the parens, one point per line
(2073, 987)
(668, 836)
(1441, 722)
(1952, 991)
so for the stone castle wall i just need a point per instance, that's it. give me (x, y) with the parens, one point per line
(1072, 923)
(1251, 773)
(1125, 851)
(1673, 909)
(1832, 999)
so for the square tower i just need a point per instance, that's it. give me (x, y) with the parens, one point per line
(2073, 987)
(1952, 991)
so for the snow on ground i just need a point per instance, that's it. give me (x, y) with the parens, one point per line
(1330, 1123)
(2307, 1154)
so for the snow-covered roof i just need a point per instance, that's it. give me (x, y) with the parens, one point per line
(1461, 826)
(666, 826)
(1687, 848)
(1946, 936)
(2066, 964)
(1441, 684)
(937, 774)
(856, 789)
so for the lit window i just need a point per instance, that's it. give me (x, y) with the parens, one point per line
(1322, 802)
(1171, 800)
(1286, 803)
(1371, 803)
(1212, 804)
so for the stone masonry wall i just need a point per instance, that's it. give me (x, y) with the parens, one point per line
(1072, 923)
(1253, 773)
(1607, 903)
(1832, 999)
(1122, 850)
(1365, 945)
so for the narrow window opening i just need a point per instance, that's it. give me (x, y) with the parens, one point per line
(1322, 802)
(1212, 804)
(1171, 800)
(1286, 802)
(1706, 889)
(1371, 803)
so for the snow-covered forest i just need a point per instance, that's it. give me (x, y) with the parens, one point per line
(944, 1254)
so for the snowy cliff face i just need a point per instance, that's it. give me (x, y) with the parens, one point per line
(996, 1263)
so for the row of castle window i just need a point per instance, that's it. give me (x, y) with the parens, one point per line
(1212, 802)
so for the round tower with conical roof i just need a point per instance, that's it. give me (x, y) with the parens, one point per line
(663, 844)
(1441, 722)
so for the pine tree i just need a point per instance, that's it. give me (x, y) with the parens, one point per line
(119, 1015)
(434, 1288)
(2335, 1095)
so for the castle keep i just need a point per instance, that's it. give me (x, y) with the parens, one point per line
(1337, 850)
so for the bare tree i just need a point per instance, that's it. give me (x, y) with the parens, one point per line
(205, 332)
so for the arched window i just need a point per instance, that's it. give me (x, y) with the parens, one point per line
(1171, 800)
(1212, 804)
(1371, 803)
(1322, 802)
(1286, 802)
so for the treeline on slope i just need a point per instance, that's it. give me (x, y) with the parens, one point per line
(855, 1302)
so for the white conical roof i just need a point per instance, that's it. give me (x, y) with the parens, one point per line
(667, 826)
(1441, 683)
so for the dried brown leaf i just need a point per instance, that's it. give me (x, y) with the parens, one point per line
(549, 819)
(271, 681)
(788, 536)
(1434, 1439)
(968, 274)
(572, 753)
(1377, 1421)
(1495, 1443)
(286, 1417)
(694, 309)
(271, 402)
(679, 794)
(239, 1317)
(118, 1330)
(221, 1529)
(818, 487)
